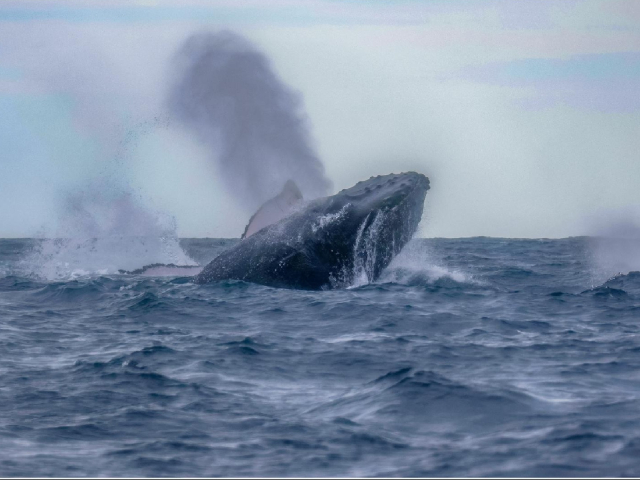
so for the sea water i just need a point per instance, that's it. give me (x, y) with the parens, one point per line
(468, 357)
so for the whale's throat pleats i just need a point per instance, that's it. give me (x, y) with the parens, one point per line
(275, 209)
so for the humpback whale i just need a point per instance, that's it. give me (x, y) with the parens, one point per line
(330, 242)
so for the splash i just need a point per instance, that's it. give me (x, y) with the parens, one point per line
(252, 123)
(104, 227)
(614, 248)
(102, 232)
(416, 264)
(365, 250)
(329, 219)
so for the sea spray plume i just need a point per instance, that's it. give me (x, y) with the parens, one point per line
(614, 244)
(420, 264)
(227, 92)
(104, 225)
(103, 229)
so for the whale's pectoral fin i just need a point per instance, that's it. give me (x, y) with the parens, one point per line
(164, 270)
(275, 209)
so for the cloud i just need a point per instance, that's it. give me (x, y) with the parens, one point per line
(606, 82)
(494, 14)
(384, 92)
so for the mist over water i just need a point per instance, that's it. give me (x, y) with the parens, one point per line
(227, 93)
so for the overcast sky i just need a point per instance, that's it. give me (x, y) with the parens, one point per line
(524, 114)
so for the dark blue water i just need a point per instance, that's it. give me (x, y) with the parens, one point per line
(470, 357)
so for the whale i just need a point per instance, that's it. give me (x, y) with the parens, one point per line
(330, 242)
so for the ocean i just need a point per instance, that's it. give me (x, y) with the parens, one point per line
(468, 357)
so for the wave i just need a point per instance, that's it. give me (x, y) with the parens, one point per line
(134, 360)
(619, 286)
(16, 283)
(425, 399)
(77, 290)
(629, 282)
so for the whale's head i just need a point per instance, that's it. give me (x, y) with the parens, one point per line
(388, 193)
(366, 225)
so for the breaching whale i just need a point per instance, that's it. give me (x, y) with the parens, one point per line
(330, 242)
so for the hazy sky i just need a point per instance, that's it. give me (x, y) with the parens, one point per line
(524, 114)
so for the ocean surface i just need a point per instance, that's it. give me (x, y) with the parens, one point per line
(469, 357)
